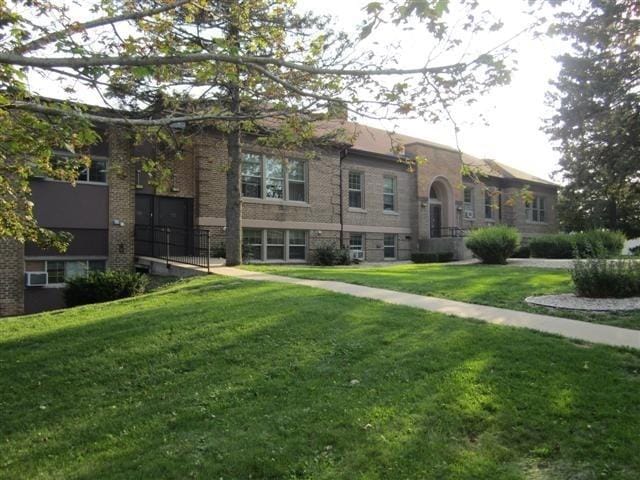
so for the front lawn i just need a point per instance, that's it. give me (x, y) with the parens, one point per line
(221, 378)
(494, 285)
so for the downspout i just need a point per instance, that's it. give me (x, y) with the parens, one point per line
(343, 155)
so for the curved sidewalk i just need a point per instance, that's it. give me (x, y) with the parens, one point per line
(590, 332)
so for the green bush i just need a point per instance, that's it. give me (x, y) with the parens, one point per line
(494, 244)
(635, 251)
(601, 278)
(421, 257)
(592, 243)
(599, 243)
(103, 286)
(560, 245)
(329, 255)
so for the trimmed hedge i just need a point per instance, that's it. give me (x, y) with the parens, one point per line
(100, 287)
(592, 243)
(601, 278)
(523, 252)
(494, 245)
(442, 257)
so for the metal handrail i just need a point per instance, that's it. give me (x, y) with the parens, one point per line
(191, 246)
(448, 232)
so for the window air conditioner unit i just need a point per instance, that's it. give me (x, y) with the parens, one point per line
(36, 279)
(468, 214)
(357, 254)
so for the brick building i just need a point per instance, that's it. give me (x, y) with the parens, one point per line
(381, 205)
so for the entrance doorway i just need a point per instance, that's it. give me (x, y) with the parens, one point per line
(435, 218)
(155, 214)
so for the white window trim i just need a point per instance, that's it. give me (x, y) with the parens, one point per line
(528, 210)
(362, 208)
(395, 194)
(490, 196)
(287, 244)
(285, 189)
(83, 182)
(395, 246)
(63, 260)
(362, 244)
(468, 206)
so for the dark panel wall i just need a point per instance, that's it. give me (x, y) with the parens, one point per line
(61, 205)
(39, 299)
(86, 242)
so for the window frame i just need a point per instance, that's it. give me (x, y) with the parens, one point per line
(536, 208)
(393, 194)
(286, 179)
(64, 261)
(470, 205)
(394, 246)
(359, 191)
(253, 245)
(264, 257)
(86, 170)
(295, 245)
(282, 245)
(489, 205)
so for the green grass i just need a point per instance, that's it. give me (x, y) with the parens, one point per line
(494, 285)
(218, 378)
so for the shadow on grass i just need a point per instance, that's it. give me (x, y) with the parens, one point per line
(220, 378)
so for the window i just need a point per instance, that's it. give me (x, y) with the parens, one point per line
(274, 178)
(97, 172)
(297, 245)
(389, 196)
(488, 204)
(355, 190)
(296, 178)
(389, 246)
(468, 202)
(55, 269)
(356, 245)
(268, 177)
(59, 271)
(535, 210)
(252, 243)
(251, 176)
(275, 244)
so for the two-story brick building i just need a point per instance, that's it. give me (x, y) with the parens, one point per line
(379, 204)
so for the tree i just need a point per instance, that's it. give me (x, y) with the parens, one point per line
(597, 122)
(248, 67)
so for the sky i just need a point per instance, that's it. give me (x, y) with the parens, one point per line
(514, 113)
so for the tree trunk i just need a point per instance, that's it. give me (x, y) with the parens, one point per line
(233, 211)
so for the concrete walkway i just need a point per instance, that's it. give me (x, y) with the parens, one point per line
(590, 332)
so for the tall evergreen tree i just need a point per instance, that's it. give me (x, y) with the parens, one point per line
(596, 126)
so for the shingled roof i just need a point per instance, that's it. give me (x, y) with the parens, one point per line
(369, 139)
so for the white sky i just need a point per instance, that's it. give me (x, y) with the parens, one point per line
(514, 113)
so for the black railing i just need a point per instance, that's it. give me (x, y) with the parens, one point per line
(189, 246)
(448, 232)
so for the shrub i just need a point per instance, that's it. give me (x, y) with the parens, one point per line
(421, 257)
(601, 278)
(592, 243)
(494, 244)
(329, 255)
(599, 243)
(103, 286)
(560, 245)
(635, 251)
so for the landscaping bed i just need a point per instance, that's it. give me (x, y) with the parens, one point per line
(221, 378)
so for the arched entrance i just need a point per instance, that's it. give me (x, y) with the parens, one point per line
(441, 215)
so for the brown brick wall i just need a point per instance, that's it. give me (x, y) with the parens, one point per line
(11, 278)
(121, 180)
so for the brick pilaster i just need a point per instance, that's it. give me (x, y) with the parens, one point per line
(11, 277)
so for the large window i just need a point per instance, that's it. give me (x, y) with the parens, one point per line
(468, 202)
(356, 245)
(95, 173)
(59, 271)
(252, 243)
(390, 246)
(268, 177)
(488, 204)
(355, 189)
(536, 210)
(274, 245)
(389, 196)
(297, 245)
(251, 176)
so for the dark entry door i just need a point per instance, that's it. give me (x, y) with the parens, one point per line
(154, 215)
(435, 217)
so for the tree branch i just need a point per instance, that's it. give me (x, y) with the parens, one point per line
(99, 22)
(67, 62)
